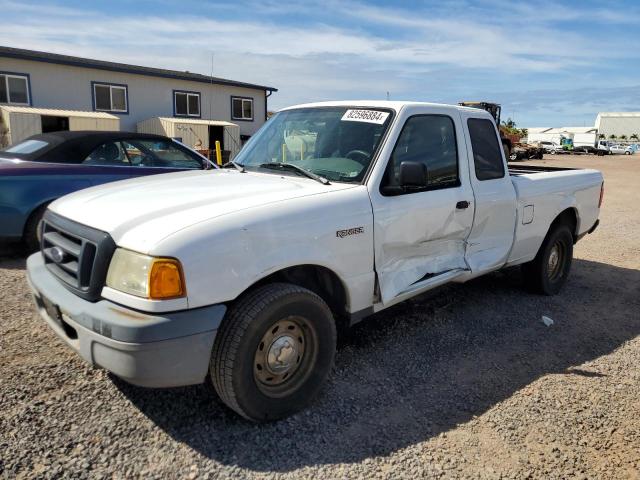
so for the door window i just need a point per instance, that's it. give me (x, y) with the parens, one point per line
(108, 154)
(427, 139)
(487, 152)
(161, 153)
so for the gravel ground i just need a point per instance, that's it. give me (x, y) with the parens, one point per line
(464, 382)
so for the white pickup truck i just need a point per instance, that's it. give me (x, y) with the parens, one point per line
(331, 212)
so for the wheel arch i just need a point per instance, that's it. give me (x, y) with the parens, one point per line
(34, 211)
(568, 216)
(321, 280)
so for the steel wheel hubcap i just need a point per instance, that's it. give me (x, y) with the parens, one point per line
(279, 353)
(555, 261)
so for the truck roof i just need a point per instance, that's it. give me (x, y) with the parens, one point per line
(392, 104)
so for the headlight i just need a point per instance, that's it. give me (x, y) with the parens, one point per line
(145, 276)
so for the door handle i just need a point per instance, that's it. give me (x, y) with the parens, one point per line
(463, 204)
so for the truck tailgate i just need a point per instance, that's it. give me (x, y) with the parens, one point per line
(542, 194)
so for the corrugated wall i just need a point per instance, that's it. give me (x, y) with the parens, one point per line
(87, 123)
(153, 126)
(232, 140)
(23, 125)
(619, 126)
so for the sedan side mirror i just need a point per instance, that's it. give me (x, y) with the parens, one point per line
(413, 174)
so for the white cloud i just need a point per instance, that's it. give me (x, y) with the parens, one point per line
(359, 51)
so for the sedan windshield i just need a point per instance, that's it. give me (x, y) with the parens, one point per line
(335, 143)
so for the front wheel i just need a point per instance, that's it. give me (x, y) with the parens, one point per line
(273, 351)
(549, 270)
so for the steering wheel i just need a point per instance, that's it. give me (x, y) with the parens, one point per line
(359, 156)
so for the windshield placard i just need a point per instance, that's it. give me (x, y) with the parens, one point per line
(368, 116)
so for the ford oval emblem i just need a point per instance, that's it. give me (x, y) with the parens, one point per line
(57, 254)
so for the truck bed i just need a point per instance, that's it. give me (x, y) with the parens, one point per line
(544, 192)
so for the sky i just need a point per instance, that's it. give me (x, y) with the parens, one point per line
(548, 63)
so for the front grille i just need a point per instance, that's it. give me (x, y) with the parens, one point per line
(77, 255)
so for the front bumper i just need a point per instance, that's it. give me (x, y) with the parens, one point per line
(162, 350)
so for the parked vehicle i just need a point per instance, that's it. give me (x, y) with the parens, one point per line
(588, 142)
(245, 274)
(524, 151)
(621, 149)
(552, 148)
(45, 167)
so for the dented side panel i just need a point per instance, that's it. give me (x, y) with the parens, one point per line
(422, 234)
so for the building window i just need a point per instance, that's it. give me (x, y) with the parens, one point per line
(14, 89)
(186, 104)
(241, 108)
(110, 97)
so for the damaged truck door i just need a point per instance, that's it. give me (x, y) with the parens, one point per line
(421, 227)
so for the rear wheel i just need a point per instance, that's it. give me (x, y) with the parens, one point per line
(273, 351)
(548, 272)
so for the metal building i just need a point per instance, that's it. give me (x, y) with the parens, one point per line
(196, 133)
(618, 124)
(22, 122)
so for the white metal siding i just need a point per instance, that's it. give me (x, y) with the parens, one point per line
(623, 124)
(23, 125)
(86, 123)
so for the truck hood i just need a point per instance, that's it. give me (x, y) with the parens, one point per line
(139, 213)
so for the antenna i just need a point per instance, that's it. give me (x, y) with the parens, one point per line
(211, 91)
(387, 96)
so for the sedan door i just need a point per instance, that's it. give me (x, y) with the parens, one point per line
(420, 234)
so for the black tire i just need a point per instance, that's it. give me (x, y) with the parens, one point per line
(31, 235)
(542, 274)
(237, 367)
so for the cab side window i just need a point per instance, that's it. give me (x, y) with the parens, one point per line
(487, 152)
(427, 139)
(108, 154)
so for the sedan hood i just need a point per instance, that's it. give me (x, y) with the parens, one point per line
(139, 213)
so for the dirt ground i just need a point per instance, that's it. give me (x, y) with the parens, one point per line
(463, 382)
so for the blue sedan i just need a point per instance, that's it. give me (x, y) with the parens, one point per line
(45, 167)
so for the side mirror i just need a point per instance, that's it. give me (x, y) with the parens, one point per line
(413, 174)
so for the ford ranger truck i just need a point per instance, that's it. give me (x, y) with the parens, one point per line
(331, 212)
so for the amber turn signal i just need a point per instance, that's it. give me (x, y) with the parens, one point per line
(166, 279)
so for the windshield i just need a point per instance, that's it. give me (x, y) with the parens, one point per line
(337, 143)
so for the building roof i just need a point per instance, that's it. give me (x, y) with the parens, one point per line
(22, 54)
(538, 129)
(580, 129)
(54, 112)
(619, 114)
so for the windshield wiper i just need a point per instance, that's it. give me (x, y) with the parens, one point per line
(238, 167)
(295, 168)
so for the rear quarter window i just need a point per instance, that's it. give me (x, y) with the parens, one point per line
(26, 147)
(487, 152)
